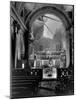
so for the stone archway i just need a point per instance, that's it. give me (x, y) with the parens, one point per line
(50, 10)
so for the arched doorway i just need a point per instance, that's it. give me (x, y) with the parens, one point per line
(48, 12)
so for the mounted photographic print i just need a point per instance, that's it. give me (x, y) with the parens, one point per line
(42, 49)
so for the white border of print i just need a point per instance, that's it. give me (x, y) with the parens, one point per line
(5, 48)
